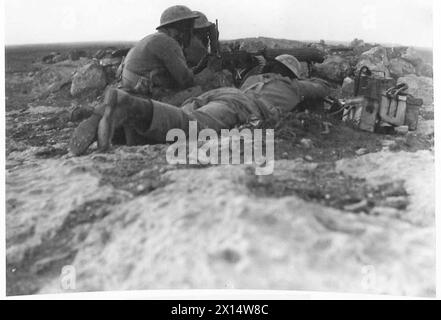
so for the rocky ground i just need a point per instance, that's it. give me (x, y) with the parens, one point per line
(347, 211)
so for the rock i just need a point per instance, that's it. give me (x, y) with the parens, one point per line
(388, 143)
(403, 130)
(79, 113)
(398, 202)
(285, 168)
(75, 55)
(348, 87)
(334, 68)
(50, 58)
(104, 53)
(419, 87)
(360, 46)
(383, 168)
(412, 56)
(87, 79)
(375, 59)
(43, 110)
(129, 247)
(106, 62)
(357, 43)
(357, 207)
(361, 151)
(396, 52)
(52, 78)
(377, 54)
(400, 67)
(59, 58)
(65, 213)
(306, 143)
(426, 128)
(42, 208)
(425, 70)
(385, 212)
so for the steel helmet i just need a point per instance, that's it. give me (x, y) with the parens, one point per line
(201, 22)
(291, 63)
(176, 14)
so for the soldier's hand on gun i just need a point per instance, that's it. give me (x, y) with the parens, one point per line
(201, 65)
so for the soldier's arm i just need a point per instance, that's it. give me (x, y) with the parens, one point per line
(174, 60)
(313, 88)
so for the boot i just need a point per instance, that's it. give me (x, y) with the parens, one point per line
(123, 110)
(85, 134)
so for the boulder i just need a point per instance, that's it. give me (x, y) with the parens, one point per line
(75, 55)
(411, 55)
(400, 67)
(419, 87)
(396, 52)
(334, 68)
(426, 128)
(49, 59)
(87, 79)
(104, 53)
(425, 70)
(384, 168)
(347, 89)
(377, 54)
(106, 62)
(59, 58)
(357, 43)
(375, 59)
(54, 77)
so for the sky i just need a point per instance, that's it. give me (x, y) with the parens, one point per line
(405, 22)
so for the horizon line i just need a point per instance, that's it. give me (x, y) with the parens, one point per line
(235, 39)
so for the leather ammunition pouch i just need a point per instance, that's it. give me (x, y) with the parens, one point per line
(400, 108)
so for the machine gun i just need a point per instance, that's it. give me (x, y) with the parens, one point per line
(240, 62)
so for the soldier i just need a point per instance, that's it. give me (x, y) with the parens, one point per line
(263, 96)
(155, 68)
(157, 63)
(204, 40)
(205, 45)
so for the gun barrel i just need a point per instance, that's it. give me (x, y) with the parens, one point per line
(301, 54)
(341, 49)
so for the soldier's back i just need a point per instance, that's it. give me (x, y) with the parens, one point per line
(146, 55)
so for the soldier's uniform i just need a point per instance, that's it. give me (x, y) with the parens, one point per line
(156, 67)
(263, 96)
(195, 51)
